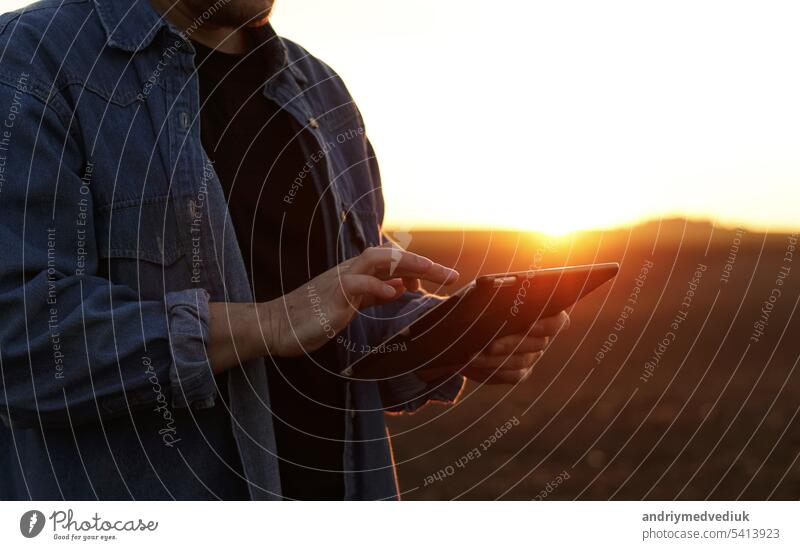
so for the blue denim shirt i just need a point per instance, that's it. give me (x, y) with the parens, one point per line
(115, 235)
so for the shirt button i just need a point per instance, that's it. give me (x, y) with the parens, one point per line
(343, 216)
(184, 120)
(313, 123)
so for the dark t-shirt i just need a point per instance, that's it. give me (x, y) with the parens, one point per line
(255, 148)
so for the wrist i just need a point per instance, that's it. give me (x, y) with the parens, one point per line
(269, 327)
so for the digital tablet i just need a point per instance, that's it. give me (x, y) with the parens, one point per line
(491, 306)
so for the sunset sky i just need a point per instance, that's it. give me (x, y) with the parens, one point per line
(554, 116)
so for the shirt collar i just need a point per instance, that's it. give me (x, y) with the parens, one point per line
(271, 47)
(276, 51)
(131, 25)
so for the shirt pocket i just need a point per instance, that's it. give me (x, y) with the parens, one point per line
(137, 243)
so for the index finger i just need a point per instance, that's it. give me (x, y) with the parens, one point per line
(392, 262)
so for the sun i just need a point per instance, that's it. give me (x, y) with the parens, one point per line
(559, 218)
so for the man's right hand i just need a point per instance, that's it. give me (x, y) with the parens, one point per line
(306, 318)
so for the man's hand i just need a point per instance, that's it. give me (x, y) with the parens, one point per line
(306, 318)
(510, 359)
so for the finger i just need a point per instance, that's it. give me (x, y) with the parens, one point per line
(550, 326)
(499, 377)
(369, 301)
(366, 285)
(518, 343)
(518, 361)
(435, 273)
(385, 263)
(384, 257)
(399, 288)
(411, 283)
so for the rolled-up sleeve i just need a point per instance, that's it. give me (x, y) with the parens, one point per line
(408, 393)
(191, 377)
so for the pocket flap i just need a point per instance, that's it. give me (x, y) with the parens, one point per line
(139, 229)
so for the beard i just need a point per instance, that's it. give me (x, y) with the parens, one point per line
(231, 13)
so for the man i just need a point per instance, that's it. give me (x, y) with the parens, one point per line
(191, 237)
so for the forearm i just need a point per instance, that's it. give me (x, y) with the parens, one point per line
(241, 332)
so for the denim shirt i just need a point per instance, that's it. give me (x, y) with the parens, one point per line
(115, 236)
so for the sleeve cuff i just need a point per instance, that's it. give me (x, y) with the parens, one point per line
(191, 377)
(409, 392)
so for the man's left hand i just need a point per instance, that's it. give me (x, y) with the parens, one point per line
(510, 359)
